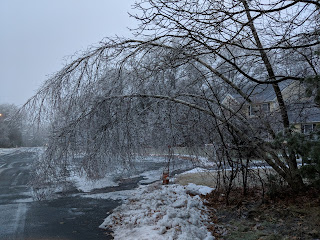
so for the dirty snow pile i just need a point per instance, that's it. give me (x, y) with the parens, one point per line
(161, 212)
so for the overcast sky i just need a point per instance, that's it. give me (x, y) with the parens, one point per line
(36, 35)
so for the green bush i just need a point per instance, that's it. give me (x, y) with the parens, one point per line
(275, 185)
(308, 148)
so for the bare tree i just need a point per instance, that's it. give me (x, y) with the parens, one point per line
(10, 128)
(170, 81)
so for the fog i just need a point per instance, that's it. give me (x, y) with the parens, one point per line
(37, 35)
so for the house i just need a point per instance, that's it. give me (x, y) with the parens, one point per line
(303, 113)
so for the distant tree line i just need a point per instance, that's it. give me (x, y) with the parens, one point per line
(14, 130)
(11, 132)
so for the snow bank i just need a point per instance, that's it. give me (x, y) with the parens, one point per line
(194, 189)
(160, 212)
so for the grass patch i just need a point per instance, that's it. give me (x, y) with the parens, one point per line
(213, 178)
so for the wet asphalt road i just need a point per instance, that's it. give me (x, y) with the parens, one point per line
(70, 218)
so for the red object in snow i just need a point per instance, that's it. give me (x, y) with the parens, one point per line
(165, 177)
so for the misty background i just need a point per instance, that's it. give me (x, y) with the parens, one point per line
(38, 35)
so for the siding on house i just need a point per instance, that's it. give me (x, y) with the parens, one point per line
(301, 109)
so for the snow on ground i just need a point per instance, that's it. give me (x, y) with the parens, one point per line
(161, 212)
(151, 176)
(194, 189)
(83, 183)
(203, 170)
(195, 170)
(4, 151)
(24, 200)
(118, 195)
(86, 185)
(204, 161)
(152, 158)
(200, 160)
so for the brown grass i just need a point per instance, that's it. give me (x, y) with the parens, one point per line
(213, 178)
(290, 215)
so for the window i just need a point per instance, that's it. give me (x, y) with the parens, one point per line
(252, 110)
(265, 107)
(308, 128)
(258, 108)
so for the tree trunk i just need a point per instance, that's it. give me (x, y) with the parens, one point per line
(295, 181)
(293, 177)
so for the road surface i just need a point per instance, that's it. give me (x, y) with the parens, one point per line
(71, 217)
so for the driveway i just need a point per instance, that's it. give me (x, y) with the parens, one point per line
(68, 217)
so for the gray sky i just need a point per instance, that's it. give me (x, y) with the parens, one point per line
(36, 35)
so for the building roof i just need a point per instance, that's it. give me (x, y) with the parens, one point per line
(260, 92)
(305, 112)
(298, 111)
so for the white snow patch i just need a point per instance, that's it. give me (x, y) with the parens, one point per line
(118, 195)
(195, 170)
(86, 185)
(4, 151)
(152, 158)
(141, 233)
(24, 200)
(151, 176)
(198, 189)
(203, 161)
(160, 212)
